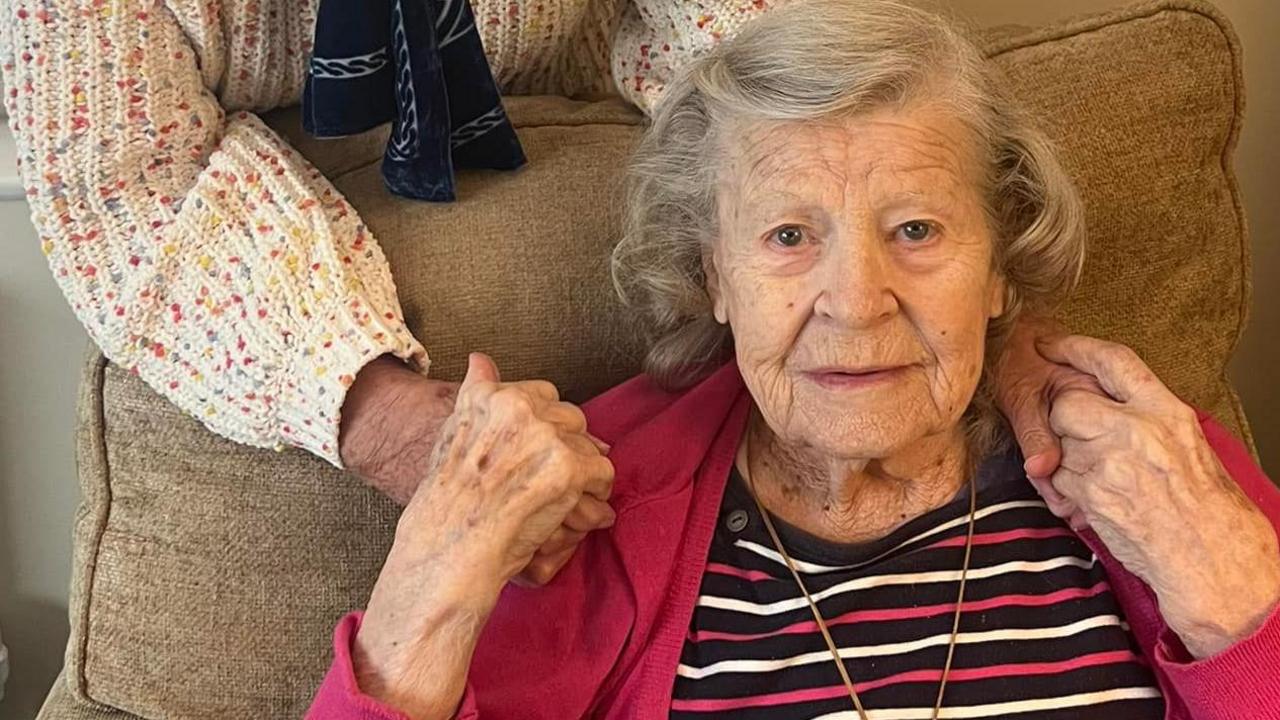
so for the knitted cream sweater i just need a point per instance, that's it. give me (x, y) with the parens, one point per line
(200, 250)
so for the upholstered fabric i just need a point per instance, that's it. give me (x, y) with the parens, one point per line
(61, 704)
(208, 575)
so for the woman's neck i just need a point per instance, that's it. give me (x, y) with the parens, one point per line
(852, 500)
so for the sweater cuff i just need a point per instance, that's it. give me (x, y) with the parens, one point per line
(1216, 688)
(340, 698)
(326, 366)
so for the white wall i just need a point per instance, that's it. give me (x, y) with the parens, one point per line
(41, 344)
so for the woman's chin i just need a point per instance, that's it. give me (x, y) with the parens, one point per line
(878, 425)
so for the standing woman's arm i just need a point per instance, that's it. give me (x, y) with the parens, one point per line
(196, 247)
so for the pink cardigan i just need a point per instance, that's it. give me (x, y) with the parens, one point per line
(603, 639)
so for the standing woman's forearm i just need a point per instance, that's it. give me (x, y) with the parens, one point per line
(196, 247)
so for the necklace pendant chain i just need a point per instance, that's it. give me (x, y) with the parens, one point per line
(822, 624)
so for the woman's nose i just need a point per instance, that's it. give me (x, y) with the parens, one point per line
(856, 289)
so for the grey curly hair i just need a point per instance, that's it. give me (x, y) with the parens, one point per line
(813, 59)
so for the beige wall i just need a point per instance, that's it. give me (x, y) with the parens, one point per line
(40, 345)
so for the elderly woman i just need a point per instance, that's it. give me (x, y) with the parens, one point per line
(834, 218)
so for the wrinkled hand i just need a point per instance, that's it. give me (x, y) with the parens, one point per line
(507, 475)
(391, 418)
(514, 476)
(1139, 468)
(1026, 385)
(391, 421)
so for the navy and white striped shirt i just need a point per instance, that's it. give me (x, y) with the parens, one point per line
(1041, 635)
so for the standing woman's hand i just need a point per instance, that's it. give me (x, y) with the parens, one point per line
(1139, 468)
(391, 418)
(510, 471)
(1026, 385)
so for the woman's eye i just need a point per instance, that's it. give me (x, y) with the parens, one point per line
(916, 230)
(788, 236)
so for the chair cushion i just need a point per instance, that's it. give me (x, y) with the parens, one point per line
(208, 576)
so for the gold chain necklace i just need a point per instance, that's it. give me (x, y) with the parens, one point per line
(822, 624)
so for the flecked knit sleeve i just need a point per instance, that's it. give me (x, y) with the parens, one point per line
(656, 38)
(195, 245)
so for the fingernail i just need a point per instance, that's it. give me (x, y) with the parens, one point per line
(610, 519)
(1026, 464)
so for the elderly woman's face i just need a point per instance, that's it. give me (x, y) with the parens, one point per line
(855, 268)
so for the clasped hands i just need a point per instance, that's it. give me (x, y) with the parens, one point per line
(1109, 447)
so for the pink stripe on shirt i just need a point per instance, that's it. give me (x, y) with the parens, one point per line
(930, 676)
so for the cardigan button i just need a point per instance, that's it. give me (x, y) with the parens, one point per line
(737, 520)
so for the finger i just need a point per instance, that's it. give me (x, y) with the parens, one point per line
(536, 574)
(1079, 456)
(1083, 415)
(601, 445)
(1058, 503)
(1029, 416)
(480, 368)
(566, 417)
(1068, 378)
(563, 538)
(1071, 485)
(1028, 413)
(1118, 369)
(525, 579)
(540, 389)
(591, 513)
(556, 563)
(542, 569)
(1078, 521)
(580, 443)
(598, 477)
(592, 471)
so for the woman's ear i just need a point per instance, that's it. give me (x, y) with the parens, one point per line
(714, 291)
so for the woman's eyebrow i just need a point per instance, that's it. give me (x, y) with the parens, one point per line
(800, 210)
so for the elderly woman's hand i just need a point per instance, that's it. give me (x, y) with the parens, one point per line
(1138, 466)
(508, 475)
(521, 464)
(391, 421)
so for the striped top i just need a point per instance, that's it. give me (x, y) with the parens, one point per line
(1041, 635)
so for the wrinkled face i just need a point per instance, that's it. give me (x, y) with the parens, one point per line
(854, 266)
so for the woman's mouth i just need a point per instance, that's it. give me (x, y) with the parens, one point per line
(854, 378)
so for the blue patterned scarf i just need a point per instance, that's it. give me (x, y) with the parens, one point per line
(419, 64)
